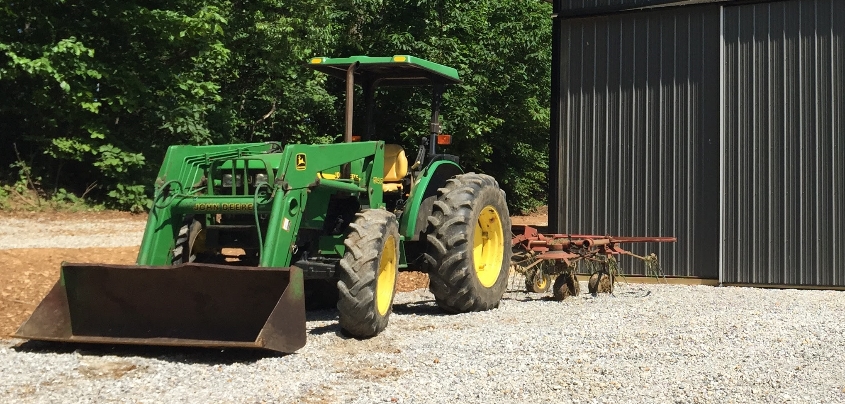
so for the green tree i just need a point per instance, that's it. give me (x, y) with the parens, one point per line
(96, 86)
(95, 91)
(267, 93)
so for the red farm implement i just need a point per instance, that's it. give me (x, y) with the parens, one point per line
(541, 256)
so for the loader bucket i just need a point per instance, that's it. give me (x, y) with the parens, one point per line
(202, 305)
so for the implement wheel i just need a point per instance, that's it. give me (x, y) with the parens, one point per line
(600, 282)
(537, 280)
(369, 269)
(469, 249)
(566, 285)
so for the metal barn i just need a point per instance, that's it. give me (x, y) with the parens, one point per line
(719, 122)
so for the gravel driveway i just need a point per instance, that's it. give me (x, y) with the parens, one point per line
(648, 343)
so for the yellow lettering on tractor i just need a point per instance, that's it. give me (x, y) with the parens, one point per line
(216, 207)
(207, 207)
(378, 180)
(236, 206)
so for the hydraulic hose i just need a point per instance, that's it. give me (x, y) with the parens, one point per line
(162, 192)
(255, 213)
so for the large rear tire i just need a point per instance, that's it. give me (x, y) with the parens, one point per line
(469, 244)
(369, 269)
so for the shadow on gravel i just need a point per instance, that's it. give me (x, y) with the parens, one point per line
(329, 315)
(423, 307)
(631, 293)
(333, 328)
(209, 356)
(321, 315)
(191, 355)
(520, 296)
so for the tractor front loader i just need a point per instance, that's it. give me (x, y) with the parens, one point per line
(241, 237)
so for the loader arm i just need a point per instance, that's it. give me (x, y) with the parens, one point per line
(297, 172)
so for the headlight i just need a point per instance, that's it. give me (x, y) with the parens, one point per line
(260, 179)
(227, 180)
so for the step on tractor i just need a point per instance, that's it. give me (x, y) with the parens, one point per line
(241, 237)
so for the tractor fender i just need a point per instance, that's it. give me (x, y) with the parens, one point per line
(423, 194)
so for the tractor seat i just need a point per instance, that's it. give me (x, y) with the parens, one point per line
(395, 167)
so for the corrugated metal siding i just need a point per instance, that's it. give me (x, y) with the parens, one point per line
(784, 143)
(638, 112)
(587, 7)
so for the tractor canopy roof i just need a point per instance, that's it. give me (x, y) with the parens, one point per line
(397, 70)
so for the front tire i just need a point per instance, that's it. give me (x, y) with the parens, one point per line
(369, 269)
(183, 248)
(469, 244)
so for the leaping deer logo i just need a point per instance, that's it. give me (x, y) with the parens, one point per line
(300, 161)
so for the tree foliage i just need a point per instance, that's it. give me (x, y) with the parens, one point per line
(95, 91)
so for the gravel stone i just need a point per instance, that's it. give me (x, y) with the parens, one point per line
(84, 233)
(644, 343)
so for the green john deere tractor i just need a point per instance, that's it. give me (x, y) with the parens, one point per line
(242, 236)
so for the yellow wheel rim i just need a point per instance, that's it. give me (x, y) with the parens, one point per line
(386, 277)
(540, 282)
(488, 246)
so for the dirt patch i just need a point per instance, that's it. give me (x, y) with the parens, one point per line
(98, 368)
(372, 372)
(539, 217)
(27, 274)
(409, 281)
